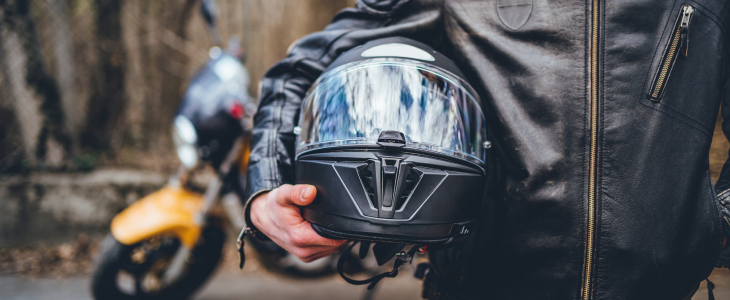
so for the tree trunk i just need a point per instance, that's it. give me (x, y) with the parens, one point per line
(35, 93)
(104, 123)
(63, 58)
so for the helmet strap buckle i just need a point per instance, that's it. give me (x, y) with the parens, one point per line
(401, 258)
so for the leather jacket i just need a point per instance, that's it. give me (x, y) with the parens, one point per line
(601, 116)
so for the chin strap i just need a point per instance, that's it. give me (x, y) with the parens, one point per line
(400, 259)
(710, 287)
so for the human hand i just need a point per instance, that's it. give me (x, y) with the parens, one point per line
(277, 215)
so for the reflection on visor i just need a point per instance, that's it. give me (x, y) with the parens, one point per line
(352, 104)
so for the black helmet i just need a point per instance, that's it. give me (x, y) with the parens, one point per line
(394, 140)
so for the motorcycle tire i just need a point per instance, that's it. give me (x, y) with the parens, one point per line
(114, 258)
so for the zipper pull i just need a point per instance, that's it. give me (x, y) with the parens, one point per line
(239, 244)
(687, 12)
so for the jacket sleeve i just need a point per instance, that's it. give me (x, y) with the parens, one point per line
(271, 163)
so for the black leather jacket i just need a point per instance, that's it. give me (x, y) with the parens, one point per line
(601, 115)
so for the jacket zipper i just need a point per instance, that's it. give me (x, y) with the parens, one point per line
(586, 292)
(678, 45)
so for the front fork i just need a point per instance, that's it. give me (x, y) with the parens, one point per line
(182, 255)
(231, 204)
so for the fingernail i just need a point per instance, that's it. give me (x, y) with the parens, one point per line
(307, 192)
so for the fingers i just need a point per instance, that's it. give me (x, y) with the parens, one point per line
(302, 235)
(311, 254)
(300, 194)
(279, 217)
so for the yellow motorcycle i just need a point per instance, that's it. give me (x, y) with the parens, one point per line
(165, 245)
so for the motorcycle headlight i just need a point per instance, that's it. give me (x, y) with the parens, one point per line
(185, 139)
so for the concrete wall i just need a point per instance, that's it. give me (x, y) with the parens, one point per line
(114, 72)
(52, 208)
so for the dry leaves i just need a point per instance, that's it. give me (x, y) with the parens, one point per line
(58, 261)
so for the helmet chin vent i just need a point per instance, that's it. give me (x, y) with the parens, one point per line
(410, 184)
(367, 176)
(388, 183)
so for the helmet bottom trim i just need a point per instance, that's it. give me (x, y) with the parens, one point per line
(346, 228)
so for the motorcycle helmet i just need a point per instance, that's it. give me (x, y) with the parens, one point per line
(394, 140)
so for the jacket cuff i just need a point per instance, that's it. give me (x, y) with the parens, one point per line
(724, 198)
(247, 216)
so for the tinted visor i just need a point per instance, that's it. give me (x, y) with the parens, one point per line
(352, 104)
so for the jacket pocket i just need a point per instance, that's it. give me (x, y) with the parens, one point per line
(677, 47)
(685, 78)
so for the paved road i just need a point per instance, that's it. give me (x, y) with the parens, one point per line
(224, 286)
(228, 284)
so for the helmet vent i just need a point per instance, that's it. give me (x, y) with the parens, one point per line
(368, 181)
(388, 183)
(410, 184)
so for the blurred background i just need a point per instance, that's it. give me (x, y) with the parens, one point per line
(88, 93)
(89, 90)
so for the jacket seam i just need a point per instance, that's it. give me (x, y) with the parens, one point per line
(723, 193)
(327, 48)
(586, 141)
(366, 8)
(600, 151)
(715, 18)
(687, 116)
(677, 118)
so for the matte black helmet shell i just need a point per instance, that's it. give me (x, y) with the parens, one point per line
(393, 138)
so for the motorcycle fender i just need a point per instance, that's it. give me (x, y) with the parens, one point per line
(167, 211)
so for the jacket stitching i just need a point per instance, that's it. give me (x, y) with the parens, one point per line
(711, 15)
(600, 151)
(586, 120)
(687, 116)
(273, 164)
(676, 118)
(327, 48)
(724, 193)
(366, 8)
(275, 134)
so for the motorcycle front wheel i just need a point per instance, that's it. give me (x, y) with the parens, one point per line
(127, 272)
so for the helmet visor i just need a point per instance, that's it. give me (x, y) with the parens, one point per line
(352, 104)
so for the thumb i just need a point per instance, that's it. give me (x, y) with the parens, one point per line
(303, 194)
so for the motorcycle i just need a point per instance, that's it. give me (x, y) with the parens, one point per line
(165, 245)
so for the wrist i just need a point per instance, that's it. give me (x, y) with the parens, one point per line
(254, 209)
(252, 219)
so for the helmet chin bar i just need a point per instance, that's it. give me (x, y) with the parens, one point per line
(390, 195)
